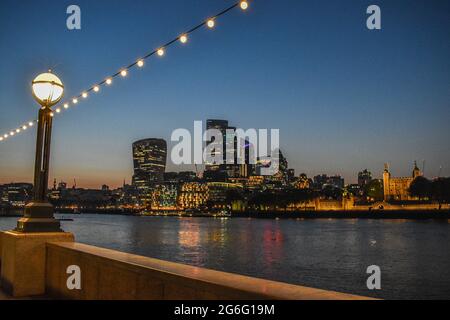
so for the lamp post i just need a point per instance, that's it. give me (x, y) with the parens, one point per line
(48, 91)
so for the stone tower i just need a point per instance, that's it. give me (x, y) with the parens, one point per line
(416, 171)
(386, 181)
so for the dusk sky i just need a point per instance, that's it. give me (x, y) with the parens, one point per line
(344, 98)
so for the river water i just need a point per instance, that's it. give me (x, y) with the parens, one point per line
(414, 256)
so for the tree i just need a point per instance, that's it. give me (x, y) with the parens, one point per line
(332, 192)
(374, 190)
(263, 199)
(440, 189)
(420, 187)
(234, 195)
(281, 199)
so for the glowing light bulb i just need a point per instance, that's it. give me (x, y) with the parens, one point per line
(17, 130)
(211, 23)
(66, 105)
(123, 73)
(84, 95)
(1, 138)
(30, 124)
(6, 136)
(24, 127)
(108, 81)
(11, 133)
(58, 110)
(160, 52)
(75, 101)
(51, 114)
(47, 89)
(140, 63)
(183, 38)
(244, 5)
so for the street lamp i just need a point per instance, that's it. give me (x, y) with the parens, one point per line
(48, 91)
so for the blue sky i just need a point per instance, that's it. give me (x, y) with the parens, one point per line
(344, 98)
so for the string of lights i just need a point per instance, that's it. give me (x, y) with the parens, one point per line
(123, 72)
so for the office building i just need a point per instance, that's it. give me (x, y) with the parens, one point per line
(149, 160)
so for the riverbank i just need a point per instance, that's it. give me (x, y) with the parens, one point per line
(363, 214)
(379, 214)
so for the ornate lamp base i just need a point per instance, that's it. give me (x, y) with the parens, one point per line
(38, 217)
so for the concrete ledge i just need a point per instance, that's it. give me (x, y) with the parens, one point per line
(109, 274)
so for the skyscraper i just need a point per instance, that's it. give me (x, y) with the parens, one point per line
(282, 174)
(217, 169)
(149, 161)
(364, 177)
(220, 172)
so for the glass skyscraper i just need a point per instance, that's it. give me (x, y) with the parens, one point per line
(220, 172)
(149, 161)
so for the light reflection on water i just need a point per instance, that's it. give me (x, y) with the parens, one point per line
(414, 256)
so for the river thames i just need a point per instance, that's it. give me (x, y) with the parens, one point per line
(333, 254)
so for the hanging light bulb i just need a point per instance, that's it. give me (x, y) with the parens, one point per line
(140, 63)
(66, 105)
(211, 23)
(160, 52)
(75, 100)
(30, 124)
(84, 95)
(58, 110)
(183, 38)
(108, 81)
(123, 73)
(17, 130)
(244, 5)
(24, 127)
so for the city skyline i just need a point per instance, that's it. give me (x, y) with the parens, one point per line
(143, 149)
(392, 109)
